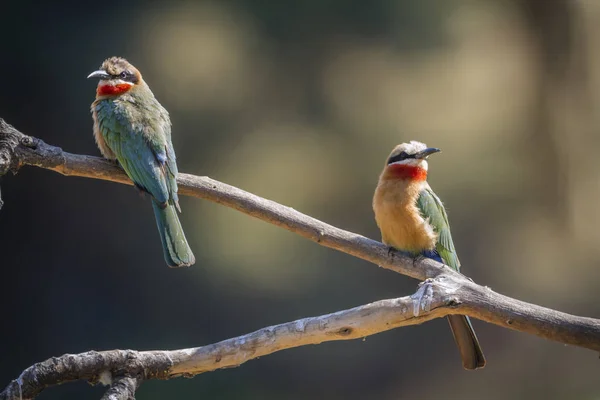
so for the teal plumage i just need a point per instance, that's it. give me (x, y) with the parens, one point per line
(412, 219)
(132, 127)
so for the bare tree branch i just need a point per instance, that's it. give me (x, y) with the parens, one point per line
(122, 389)
(447, 293)
(17, 149)
(435, 298)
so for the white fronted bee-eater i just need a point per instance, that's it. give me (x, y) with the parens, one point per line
(132, 127)
(412, 219)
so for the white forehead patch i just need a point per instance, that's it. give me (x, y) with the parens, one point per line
(412, 147)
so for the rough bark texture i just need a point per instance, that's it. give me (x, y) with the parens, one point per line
(122, 389)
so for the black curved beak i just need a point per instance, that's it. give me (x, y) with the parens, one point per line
(426, 153)
(101, 74)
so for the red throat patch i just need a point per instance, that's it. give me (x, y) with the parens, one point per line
(403, 171)
(113, 90)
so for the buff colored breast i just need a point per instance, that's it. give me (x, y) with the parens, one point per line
(398, 218)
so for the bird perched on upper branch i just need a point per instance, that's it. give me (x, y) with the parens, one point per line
(413, 220)
(132, 127)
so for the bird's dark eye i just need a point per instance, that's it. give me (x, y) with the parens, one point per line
(399, 157)
(123, 75)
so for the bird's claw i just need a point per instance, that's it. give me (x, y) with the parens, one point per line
(423, 298)
(416, 259)
(390, 254)
(390, 251)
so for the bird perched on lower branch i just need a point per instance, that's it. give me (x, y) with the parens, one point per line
(412, 219)
(132, 127)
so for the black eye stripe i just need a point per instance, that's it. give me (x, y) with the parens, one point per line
(399, 157)
(126, 76)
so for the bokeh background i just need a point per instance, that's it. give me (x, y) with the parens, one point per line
(300, 102)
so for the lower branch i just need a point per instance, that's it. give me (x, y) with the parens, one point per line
(122, 389)
(95, 366)
(435, 298)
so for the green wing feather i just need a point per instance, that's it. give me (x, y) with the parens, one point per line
(140, 138)
(432, 209)
(139, 155)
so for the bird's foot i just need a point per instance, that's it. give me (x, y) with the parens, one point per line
(417, 258)
(390, 254)
(423, 298)
(391, 251)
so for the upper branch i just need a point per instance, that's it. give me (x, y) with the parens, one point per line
(26, 150)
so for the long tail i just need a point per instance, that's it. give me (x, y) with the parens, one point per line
(175, 247)
(466, 341)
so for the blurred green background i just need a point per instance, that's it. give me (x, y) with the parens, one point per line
(301, 102)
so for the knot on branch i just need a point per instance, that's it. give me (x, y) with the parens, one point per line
(28, 141)
(345, 331)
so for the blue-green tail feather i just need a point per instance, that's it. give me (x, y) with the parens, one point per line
(176, 250)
